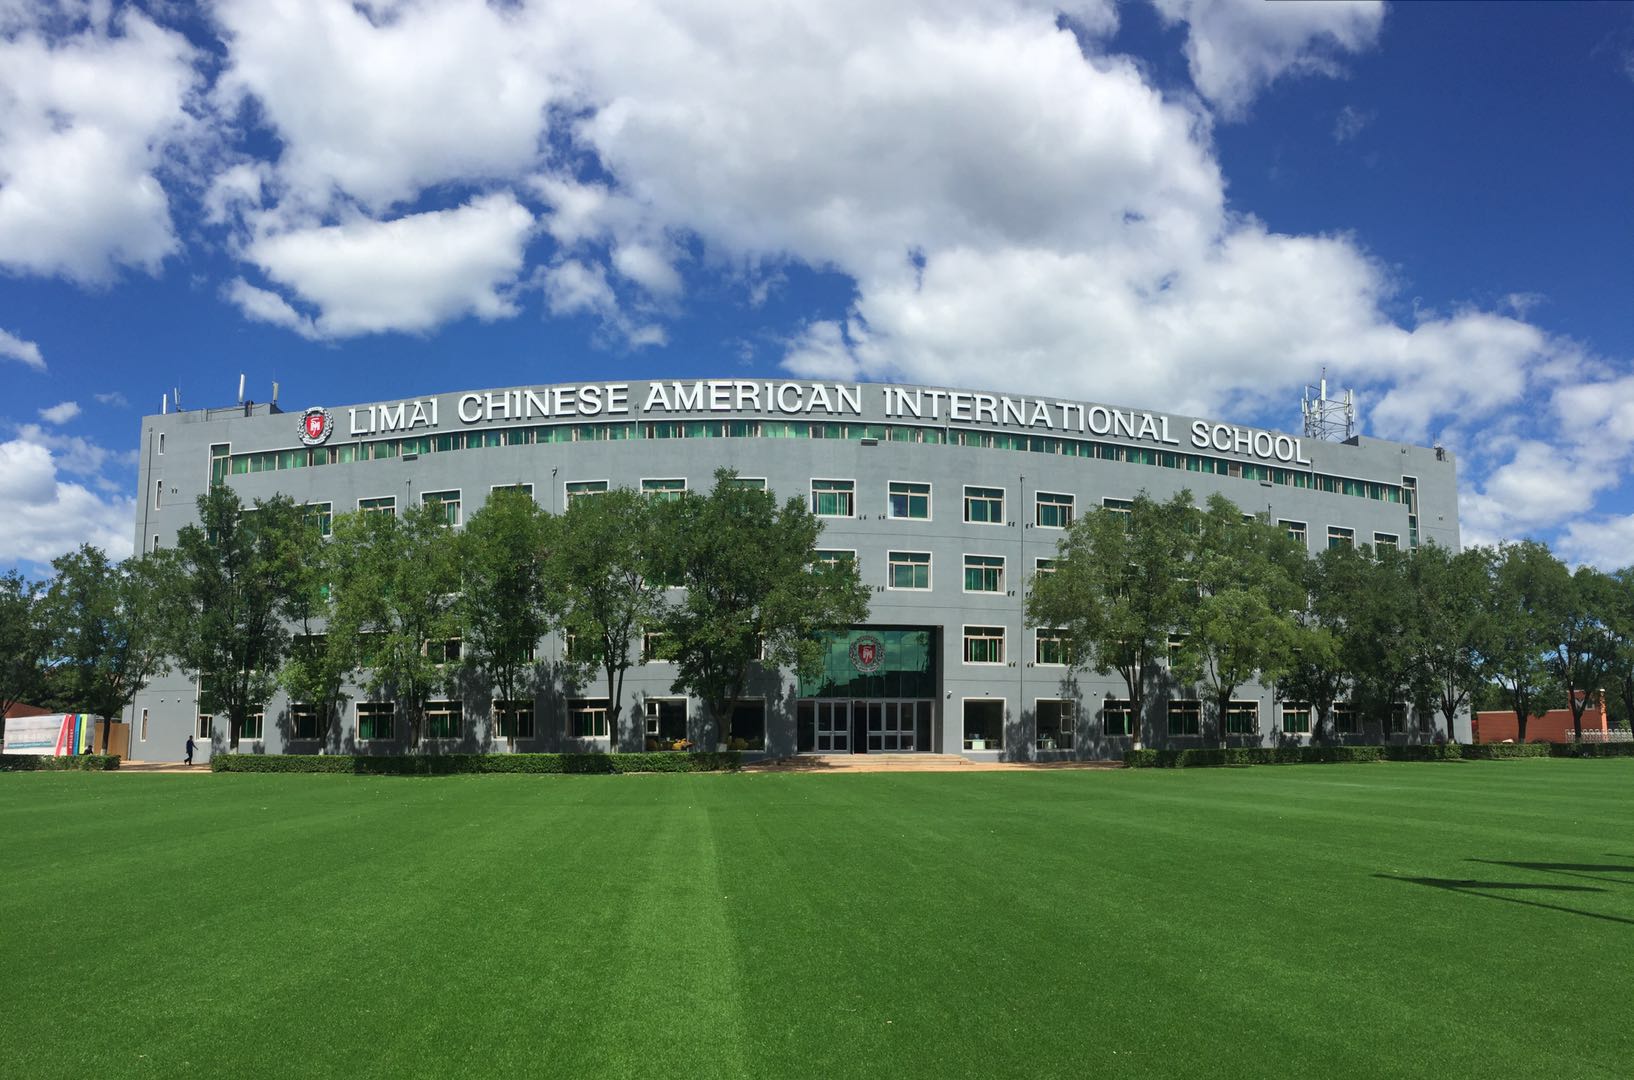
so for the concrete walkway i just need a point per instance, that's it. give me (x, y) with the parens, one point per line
(168, 767)
(873, 763)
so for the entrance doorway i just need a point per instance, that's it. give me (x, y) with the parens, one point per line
(865, 726)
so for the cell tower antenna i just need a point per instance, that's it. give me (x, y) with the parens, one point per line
(1330, 418)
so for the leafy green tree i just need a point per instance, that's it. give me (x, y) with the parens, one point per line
(1525, 595)
(1582, 651)
(232, 583)
(317, 662)
(1619, 619)
(1242, 625)
(25, 642)
(754, 590)
(507, 598)
(107, 639)
(1119, 587)
(1449, 594)
(1373, 610)
(396, 579)
(609, 585)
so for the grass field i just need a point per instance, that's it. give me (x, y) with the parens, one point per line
(1395, 920)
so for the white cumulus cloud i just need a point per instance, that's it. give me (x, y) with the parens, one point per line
(48, 514)
(60, 413)
(26, 353)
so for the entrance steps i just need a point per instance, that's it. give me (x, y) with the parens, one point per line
(909, 762)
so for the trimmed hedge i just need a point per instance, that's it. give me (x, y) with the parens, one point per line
(446, 764)
(1577, 750)
(58, 763)
(1297, 755)
(1495, 751)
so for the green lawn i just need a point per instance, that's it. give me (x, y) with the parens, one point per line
(1392, 920)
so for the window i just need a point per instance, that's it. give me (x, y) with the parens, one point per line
(1118, 506)
(749, 483)
(445, 652)
(513, 719)
(666, 723)
(908, 570)
(1296, 530)
(1344, 719)
(1053, 511)
(376, 720)
(1176, 643)
(1381, 541)
(984, 725)
(1044, 566)
(1296, 717)
(1339, 537)
(254, 724)
(221, 456)
(834, 498)
(526, 489)
(833, 558)
(664, 490)
(587, 718)
(747, 729)
(1056, 722)
(1242, 718)
(1050, 647)
(984, 644)
(443, 719)
(387, 506)
(911, 501)
(1117, 717)
(1398, 718)
(984, 573)
(653, 645)
(444, 506)
(158, 492)
(578, 488)
(144, 735)
(984, 505)
(303, 721)
(1185, 717)
(320, 516)
(161, 442)
(202, 728)
(155, 542)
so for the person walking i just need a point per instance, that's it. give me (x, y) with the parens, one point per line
(189, 750)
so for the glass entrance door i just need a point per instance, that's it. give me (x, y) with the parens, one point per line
(833, 727)
(890, 724)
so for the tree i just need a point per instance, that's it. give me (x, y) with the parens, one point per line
(1449, 592)
(25, 642)
(1242, 624)
(754, 590)
(106, 630)
(233, 580)
(1118, 588)
(395, 598)
(318, 661)
(610, 590)
(1525, 593)
(1619, 618)
(1582, 652)
(507, 598)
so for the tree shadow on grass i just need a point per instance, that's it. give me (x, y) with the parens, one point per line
(1492, 890)
(1586, 871)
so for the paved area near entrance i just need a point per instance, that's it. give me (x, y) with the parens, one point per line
(872, 763)
(163, 767)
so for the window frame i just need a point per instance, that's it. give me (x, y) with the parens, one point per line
(1305, 707)
(575, 706)
(1194, 706)
(1304, 531)
(1340, 536)
(1002, 568)
(968, 639)
(455, 708)
(891, 563)
(970, 499)
(427, 498)
(1070, 505)
(357, 716)
(1126, 707)
(568, 495)
(1237, 707)
(890, 496)
(851, 492)
(1072, 713)
(1051, 633)
(392, 509)
(665, 494)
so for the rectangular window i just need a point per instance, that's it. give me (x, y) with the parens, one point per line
(158, 492)
(1296, 717)
(666, 723)
(443, 719)
(984, 573)
(984, 644)
(836, 558)
(653, 646)
(444, 505)
(911, 501)
(1242, 718)
(578, 488)
(254, 723)
(445, 652)
(1398, 719)
(376, 720)
(1044, 566)
(1296, 530)
(984, 505)
(1056, 723)
(749, 483)
(1340, 537)
(1185, 717)
(1344, 719)
(221, 456)
(320, 516)
(907, 570)
(664, 490)
(1118, 506)
(1382, 541)
(587, 718)
(387, 505)
(201, 730)
(161, 442)
(834, 498)
(144, 735)
(1050, 647)
(1117, 717)
(1053, 511)
(303, 721)
(513, 719)
(155, 542)
(526, 489)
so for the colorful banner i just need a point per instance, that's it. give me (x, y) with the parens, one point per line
(53, 736)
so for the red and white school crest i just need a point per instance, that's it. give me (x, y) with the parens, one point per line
(316, 425)
(867, 654)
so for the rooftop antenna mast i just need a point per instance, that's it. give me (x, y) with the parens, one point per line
(1330, 418)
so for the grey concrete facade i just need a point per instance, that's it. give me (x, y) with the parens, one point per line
(792, 433)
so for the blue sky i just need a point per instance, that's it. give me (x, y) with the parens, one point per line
(1190, 205)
